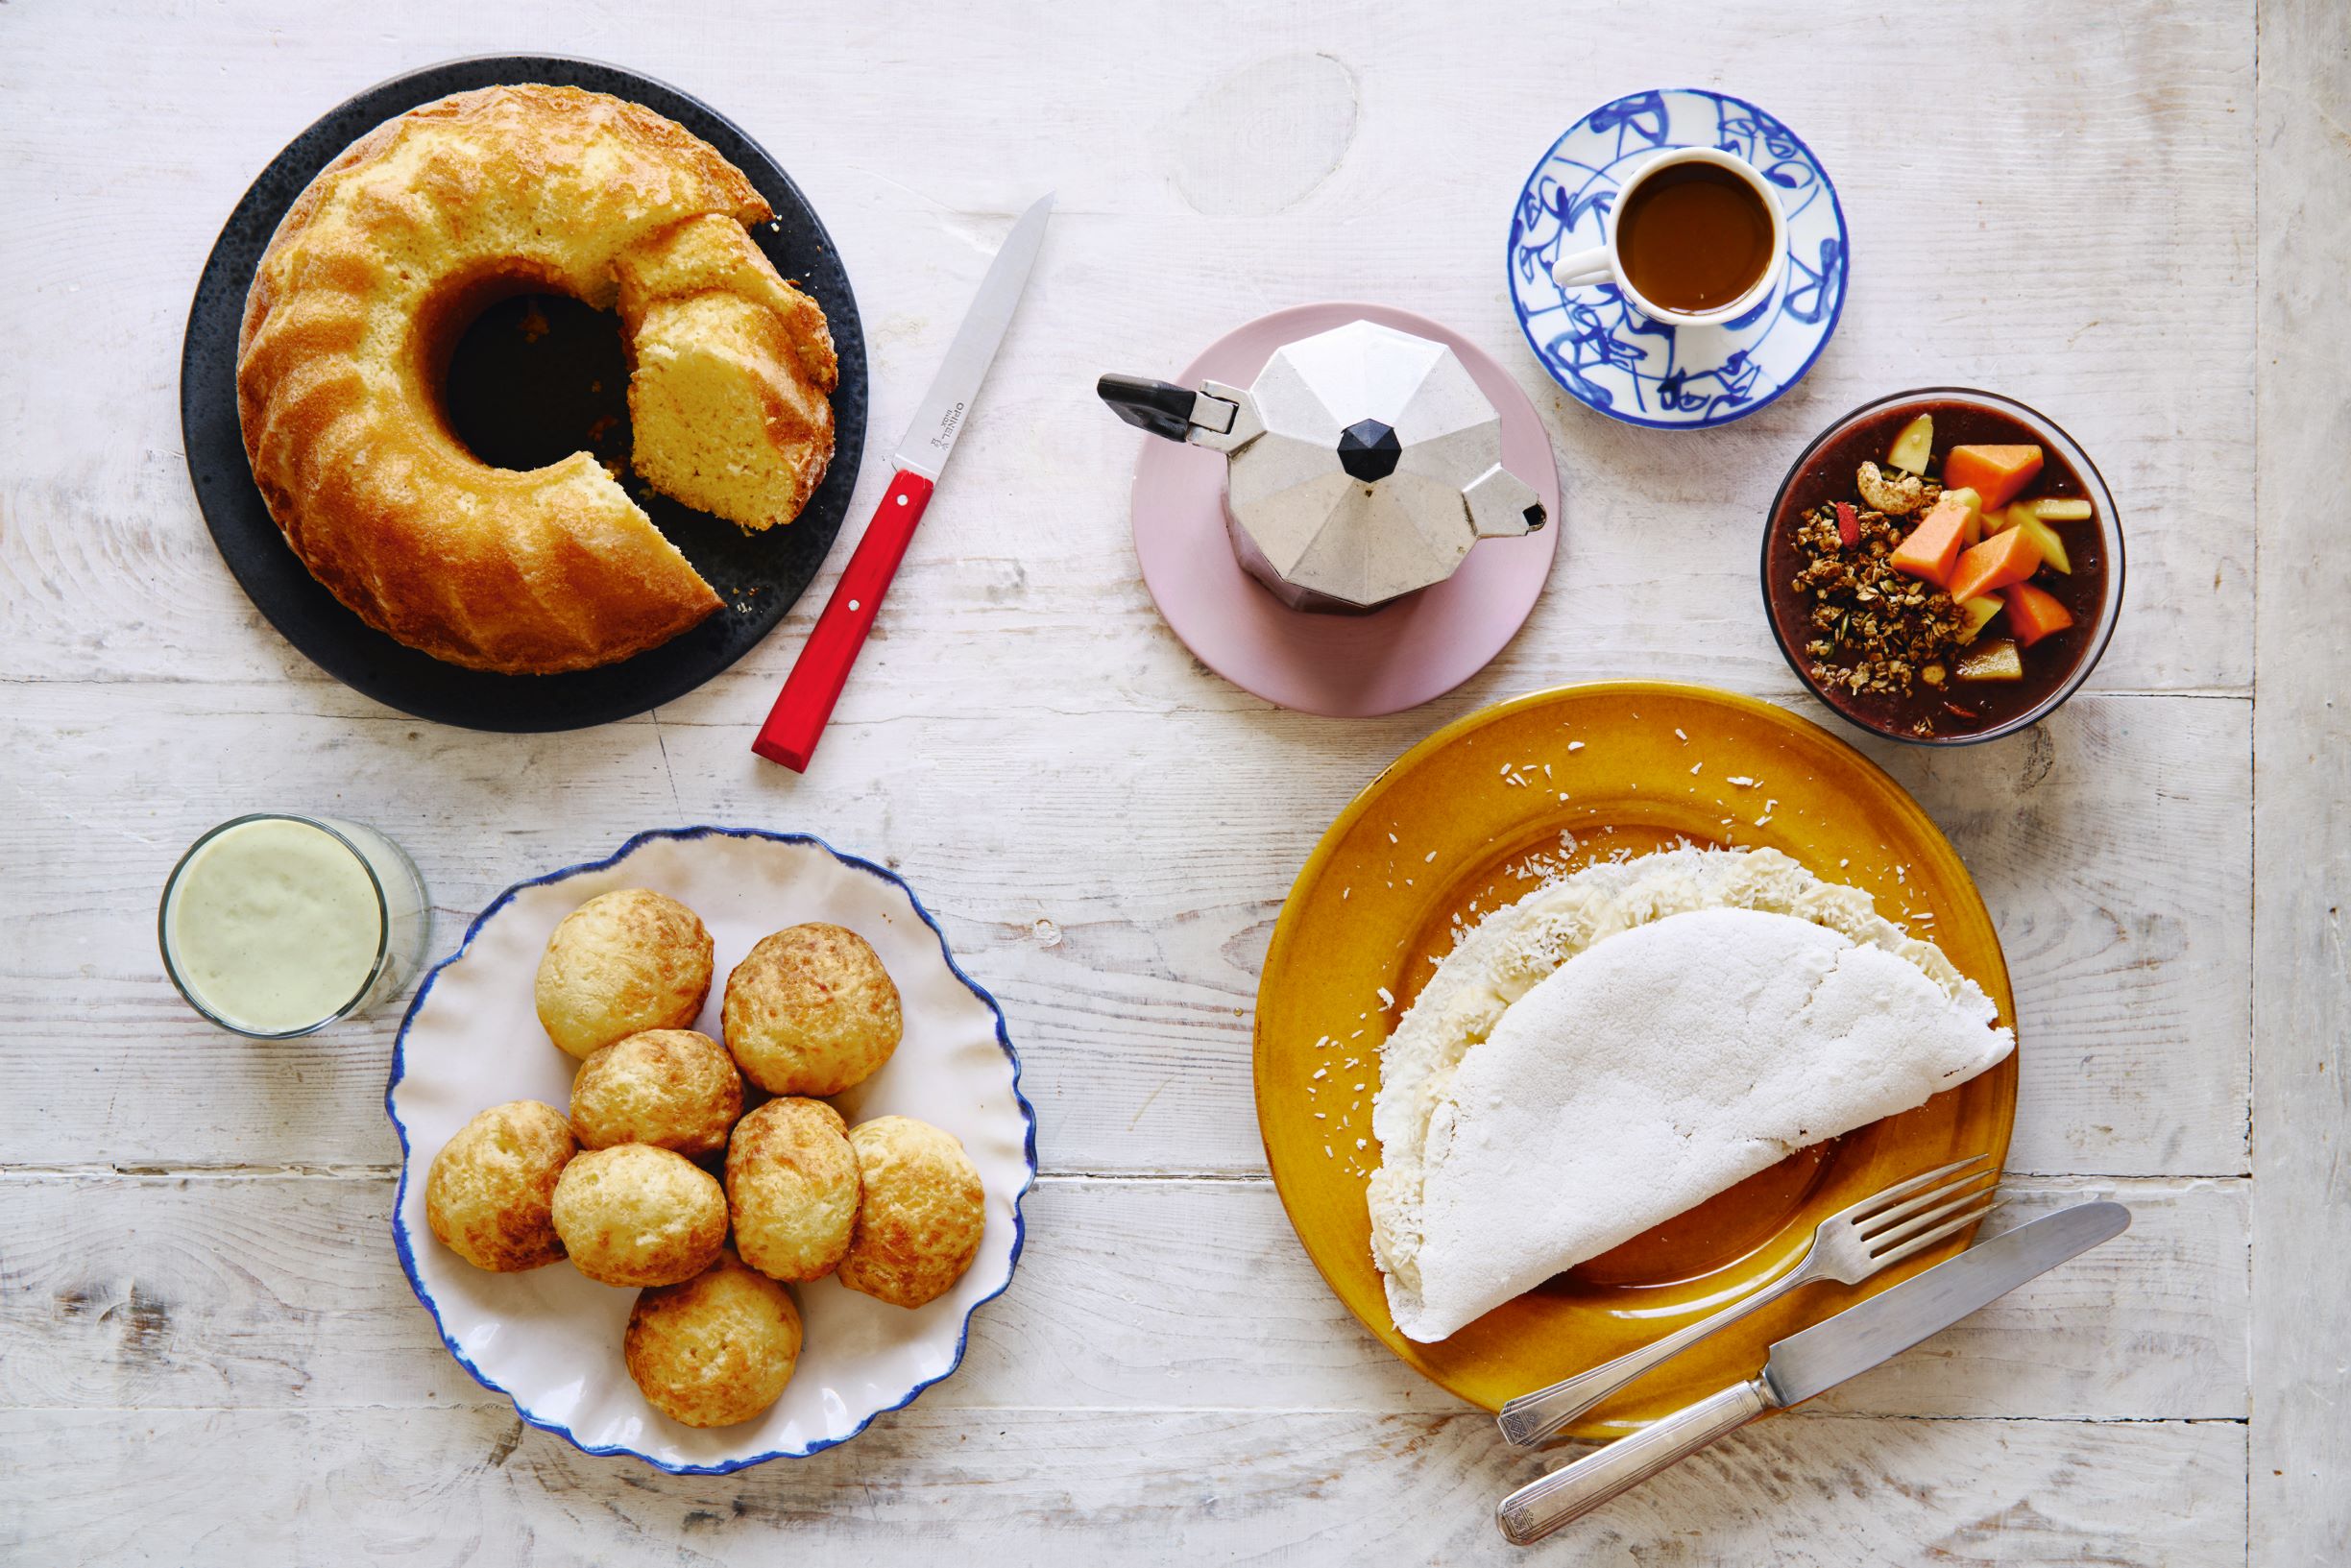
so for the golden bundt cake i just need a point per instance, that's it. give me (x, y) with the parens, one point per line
(728, 399)
(354, 308)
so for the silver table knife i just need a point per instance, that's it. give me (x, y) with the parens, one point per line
(1820, 1358)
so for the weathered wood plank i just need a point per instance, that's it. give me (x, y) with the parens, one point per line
(1100, 1487)
(2301, 1440)
(1129, 980)
(282, 1290)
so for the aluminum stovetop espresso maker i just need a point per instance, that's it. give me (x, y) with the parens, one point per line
(1362, 463)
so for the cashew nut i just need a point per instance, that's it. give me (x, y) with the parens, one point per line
(1896, 495)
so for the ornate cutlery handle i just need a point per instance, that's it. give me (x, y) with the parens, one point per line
(1540, 1507)
(1530, 1418)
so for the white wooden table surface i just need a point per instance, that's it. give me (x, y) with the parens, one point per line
(2132, 213)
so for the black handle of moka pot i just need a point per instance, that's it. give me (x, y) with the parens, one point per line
(1161, 407)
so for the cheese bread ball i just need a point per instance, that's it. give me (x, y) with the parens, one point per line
(671, 1087)
(810, 1011)
(637, 1215)
(792, 1185)
(717, 1349)
(619, 963)
(490, 1193)
(919, 1223)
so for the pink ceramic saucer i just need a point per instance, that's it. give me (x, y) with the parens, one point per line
(1343, 666)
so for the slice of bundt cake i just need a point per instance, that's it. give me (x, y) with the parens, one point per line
(731, 370)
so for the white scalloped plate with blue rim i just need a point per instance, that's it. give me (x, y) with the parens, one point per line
(550, 1338)
(1606, 354)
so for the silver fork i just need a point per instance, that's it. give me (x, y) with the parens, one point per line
(1848, 1246)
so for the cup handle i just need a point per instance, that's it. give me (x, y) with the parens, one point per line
(1583, 267)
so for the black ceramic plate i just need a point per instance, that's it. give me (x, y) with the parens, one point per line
(759, 576)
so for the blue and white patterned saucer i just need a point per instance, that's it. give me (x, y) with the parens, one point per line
(1609, 355)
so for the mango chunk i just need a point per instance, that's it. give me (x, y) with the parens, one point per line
(1914, 446)
(2045, 538)
(1979, 613)
(2062, 509)
(1993, 662)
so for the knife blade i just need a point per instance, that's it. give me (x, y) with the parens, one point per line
(1820, 1358)
(797, 721)
(1893, 1320)
(928, 440)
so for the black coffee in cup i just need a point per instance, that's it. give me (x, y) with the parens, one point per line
(1693, 237)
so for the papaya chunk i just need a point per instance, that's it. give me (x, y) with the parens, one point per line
(2034, 614)
(2007, 557)
(1996, 473)
(1932, 550)
(1973, 530)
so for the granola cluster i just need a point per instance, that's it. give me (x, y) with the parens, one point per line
(1875, 630)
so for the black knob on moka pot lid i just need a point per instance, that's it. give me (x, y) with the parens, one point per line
(1369, 450)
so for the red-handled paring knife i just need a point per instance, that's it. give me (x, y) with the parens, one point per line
(798, 718)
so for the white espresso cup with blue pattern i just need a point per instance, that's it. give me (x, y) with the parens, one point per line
(1695, 238)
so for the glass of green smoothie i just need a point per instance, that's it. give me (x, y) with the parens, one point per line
(276, 925)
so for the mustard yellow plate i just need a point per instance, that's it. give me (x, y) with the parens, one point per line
(1465, 823)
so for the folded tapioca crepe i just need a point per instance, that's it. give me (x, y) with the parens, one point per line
(1631, 1040)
